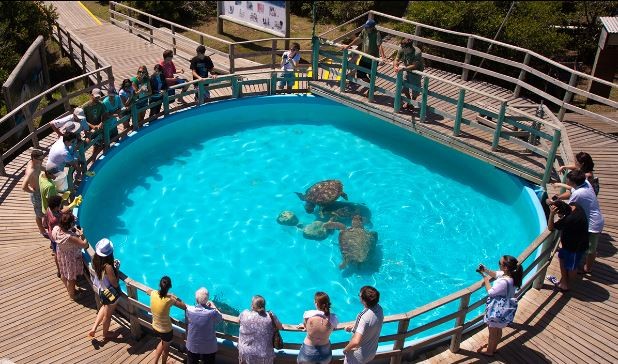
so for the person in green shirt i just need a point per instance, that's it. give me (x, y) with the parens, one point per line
(412, 60)
(96, 114)
(371, 42)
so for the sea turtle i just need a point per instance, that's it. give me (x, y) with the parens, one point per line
(343, 211)
(322, 193)
(355, 242)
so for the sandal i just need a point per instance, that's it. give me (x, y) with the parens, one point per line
(553, 280)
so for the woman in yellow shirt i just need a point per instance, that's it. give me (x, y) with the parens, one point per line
(160, 304)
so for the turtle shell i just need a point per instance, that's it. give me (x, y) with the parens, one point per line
(355, 244)
(324, 192)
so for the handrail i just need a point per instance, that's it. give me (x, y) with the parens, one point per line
(495, 42)
(114, 3)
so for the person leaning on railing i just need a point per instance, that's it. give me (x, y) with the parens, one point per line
(319, 324)
(412, 59)
(115, 109)
(371, 43)
(160, 304)
(255, 339)
(200, 66)
(70, 242)
(96, 114)
(158, 87)
(141, 86)
(363, 345)
(105, 280)
(201, 334)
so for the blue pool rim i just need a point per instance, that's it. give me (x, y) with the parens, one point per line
(132, 136)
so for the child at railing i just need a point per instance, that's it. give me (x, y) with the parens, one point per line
(169, 71)
(201, 64)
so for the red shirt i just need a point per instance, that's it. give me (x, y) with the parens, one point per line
(168, 72)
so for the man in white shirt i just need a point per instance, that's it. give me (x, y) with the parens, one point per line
(289, 62)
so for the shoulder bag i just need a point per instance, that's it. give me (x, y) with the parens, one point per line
(277, 340)
(501, 309)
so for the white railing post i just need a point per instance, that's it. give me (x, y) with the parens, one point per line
(467, 59)
(522, 76)
(567, 96)
(459, 321)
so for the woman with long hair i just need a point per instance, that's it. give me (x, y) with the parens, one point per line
(583, 162)
(141, 88)
(69, 244)
(160, 303)
(319, 324)
(507, 278)
(105, 278)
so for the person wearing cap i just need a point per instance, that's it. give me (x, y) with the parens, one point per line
(69, 244)
(201, 64)
(105, 277)
(255, 338)
(30, 185)
(371, 43)
(73, 122)
(412, 59)
(96, 114)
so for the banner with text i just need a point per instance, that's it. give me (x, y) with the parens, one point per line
(267, 16)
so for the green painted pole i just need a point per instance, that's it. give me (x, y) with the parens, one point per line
(273, 83)
(555, 143)
(134, 117)
(459, 115)
(499, 122)
(166, 103)
(372, 80)
(424, 99)
(315, 56)
(201, 91)
(344, 71)
(106, 134)
(235, 87)
(398, 89)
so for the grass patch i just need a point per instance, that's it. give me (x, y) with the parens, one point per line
(99, 10)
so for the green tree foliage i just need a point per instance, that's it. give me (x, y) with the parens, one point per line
(182, 12)
(20, 23)
(331, 11)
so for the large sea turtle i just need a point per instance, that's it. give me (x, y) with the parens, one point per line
(344, 211)
(355, 242)
(322, 193)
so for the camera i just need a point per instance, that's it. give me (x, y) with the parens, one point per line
(554, 198)
(480, 269)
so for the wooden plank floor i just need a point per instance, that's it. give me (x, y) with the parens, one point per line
(42, 325)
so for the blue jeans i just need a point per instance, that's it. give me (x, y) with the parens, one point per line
(314, 354)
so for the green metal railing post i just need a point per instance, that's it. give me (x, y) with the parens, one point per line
(398, 89)
(499, 122)
(424, 99)
(272, 90)
(201, 92)
(372, 80)
(555, 143)
(459, 114)
(235, 87)
(166, 103)
(344, 71)
(315, 56)
(106, 134)
(134, 117)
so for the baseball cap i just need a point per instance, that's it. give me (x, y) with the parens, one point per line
(97, 92)
(79, 112)
(370, 23)
(104, 247)
(37, 153)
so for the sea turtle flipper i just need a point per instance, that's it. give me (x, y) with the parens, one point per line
(300, 195)
(344, 263)
(344, 195)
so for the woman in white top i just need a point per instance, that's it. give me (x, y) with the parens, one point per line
(507, 278)
(319, 324)
(106, 277)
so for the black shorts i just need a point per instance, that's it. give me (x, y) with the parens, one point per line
(193, 358)
(165, 336)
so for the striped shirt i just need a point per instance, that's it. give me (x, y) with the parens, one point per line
(368, 324)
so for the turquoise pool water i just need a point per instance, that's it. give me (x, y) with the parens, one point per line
(196, 198)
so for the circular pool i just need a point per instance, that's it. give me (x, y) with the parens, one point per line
(196, 197)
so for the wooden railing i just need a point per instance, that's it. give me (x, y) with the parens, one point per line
(523, 66)
(104, 75)
(542, 136)
(87, 59)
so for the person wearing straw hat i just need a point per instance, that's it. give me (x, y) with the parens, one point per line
(77, 121)
(105, 280)
(31, 185)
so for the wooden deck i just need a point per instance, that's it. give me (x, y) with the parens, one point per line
(42, 325)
